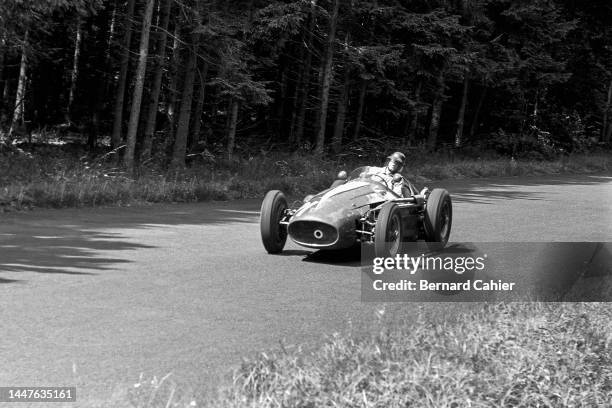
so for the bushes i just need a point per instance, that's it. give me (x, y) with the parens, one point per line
(71, 179)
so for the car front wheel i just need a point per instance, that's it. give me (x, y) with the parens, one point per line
(273, 234)
(388, 231)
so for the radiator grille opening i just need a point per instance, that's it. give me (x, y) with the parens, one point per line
(313, 232)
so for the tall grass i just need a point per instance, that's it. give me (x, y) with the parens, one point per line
(497, 355)
(51, 179)
(504, 355)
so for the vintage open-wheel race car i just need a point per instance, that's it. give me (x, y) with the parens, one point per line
(358, 208)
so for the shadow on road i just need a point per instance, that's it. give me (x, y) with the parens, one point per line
(9, 281)
(295, 252)
(487, 191)
(73, 241)
(344, 257)
(350, 257)
(71, 251)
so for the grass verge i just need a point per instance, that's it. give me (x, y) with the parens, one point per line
(499, 355)
(44, 179)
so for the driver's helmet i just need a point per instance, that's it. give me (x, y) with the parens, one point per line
(399, 158)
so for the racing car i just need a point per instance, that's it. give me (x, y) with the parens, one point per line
(358, 208)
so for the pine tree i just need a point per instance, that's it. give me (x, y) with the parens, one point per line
(138, 86)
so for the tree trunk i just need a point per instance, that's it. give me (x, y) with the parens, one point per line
(180, 141)
(342, 102)
(75, 70)
(6, 92)
(302, 91)
(327, 78)
(474, 126)
(341, 112)
(461, 114)
(109, 45)
(436, 110)
(111, 28)
(604, 130)
(199, 107)
(2, 73)
(300, 85)
(103, 88)
(4, 102)
(139, 86)
(158, 70)
(173, 84)
(123, 68)
(251, 15)
(21, 84)
(231, 134)
(362, 94)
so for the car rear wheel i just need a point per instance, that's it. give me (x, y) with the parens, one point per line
(388, 231)
(273, 234)
(438, 218)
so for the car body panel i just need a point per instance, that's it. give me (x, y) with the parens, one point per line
(342, 207)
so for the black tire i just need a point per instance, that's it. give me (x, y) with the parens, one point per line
(388, 233)
(438, 218)
(273, 234)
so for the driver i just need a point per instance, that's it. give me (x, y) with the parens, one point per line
(391, 173)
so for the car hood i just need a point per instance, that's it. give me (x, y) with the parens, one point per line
(348, 200)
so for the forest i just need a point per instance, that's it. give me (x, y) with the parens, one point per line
(164, 80)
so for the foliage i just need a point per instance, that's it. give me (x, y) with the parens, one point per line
(50, 176)
(539, 62)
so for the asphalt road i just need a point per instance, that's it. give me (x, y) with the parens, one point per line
(94, 297)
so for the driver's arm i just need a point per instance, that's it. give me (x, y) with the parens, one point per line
(375, 170)
(398, 187)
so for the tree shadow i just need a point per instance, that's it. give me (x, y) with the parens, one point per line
(487, 191)
(71, 252)
(2, 280)
(489, 196)
(74, 241)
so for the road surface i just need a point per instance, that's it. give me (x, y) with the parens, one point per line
(94, 297)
